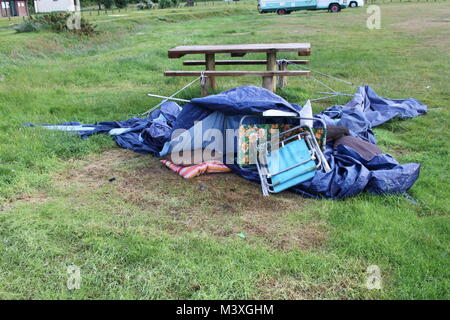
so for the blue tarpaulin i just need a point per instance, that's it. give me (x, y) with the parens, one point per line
(142, 135)
(351, 173)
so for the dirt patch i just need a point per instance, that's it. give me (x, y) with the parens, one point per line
(289, 288)
(422, 25)
(221, 205)
(37, 198)
(38, 48)
(437, 17)
(441, 43)
(291, 24)
(44, 45)
(274, 227)
(94, 171)
(397, 151)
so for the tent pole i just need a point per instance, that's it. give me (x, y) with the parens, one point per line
(167, 98)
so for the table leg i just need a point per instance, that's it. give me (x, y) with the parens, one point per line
(269, 82)
(210, 66)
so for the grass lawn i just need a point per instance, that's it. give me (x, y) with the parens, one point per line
(152, 235)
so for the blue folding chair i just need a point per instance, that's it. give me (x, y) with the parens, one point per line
(295, 159)
(288, 165)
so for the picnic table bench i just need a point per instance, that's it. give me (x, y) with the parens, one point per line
(240, 50)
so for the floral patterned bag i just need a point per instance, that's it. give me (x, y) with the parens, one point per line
(255, 134)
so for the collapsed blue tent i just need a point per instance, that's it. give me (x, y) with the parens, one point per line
(351, 173)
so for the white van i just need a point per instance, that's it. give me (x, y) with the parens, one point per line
(288, 6)
(356, 3)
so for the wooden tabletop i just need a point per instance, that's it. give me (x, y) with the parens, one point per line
(303, 49)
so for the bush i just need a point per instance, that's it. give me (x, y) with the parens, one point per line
(168, 3)
(146, 4)
(86, 28)
(27, 26)
(56, 22)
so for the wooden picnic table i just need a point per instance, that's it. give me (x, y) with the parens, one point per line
(240, 50)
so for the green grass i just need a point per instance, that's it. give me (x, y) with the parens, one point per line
(150, 234)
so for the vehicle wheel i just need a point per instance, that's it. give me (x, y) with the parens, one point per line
(281, 11)
(353, 4)
(335, 7)
(259, 9)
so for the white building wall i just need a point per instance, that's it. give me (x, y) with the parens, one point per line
(54, 5)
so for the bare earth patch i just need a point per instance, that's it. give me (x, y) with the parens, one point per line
(289, 288)
(436, 23)
(37, 199)
(422, 25)
(219, 205)
(292, 25)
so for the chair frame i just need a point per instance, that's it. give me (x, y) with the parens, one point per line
(310, 140)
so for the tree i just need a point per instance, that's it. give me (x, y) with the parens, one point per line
(30, 5)
(107, 4)
(121, 3)
(99, 3)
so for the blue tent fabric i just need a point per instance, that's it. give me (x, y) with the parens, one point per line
(142, 135)
(190, 113)
(185, 140)
(136, 137)
(367, 110)
(244, 100)
(351, 174)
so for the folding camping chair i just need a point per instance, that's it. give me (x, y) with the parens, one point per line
(290, 157)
